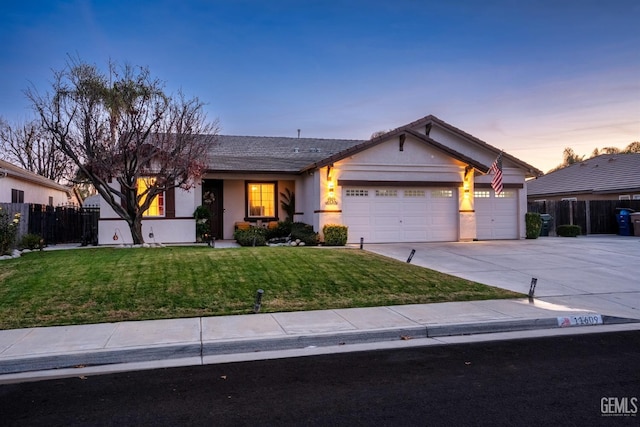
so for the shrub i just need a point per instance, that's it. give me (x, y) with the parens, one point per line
(569, 230)
(30, 241)
(533, 222)
(202, 216)
(254, 236)
(304, 233)
(282, 230)
(8, 231)
(335, 235)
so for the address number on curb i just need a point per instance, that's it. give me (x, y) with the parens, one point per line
(586, 320)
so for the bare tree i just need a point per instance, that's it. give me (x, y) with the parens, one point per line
(119, 128)
(28, 145)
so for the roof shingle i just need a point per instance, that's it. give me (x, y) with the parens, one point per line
(608, 173)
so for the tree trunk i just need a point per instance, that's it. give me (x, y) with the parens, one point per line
(136, 231)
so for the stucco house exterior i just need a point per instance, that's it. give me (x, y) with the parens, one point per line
(604, 177)
(422, 182)
(18, 185)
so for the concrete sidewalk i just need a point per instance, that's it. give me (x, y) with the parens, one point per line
(40, 353)
(580, 281)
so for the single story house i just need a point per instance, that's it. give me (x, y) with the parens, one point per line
(425, 181)
(604, 177)
(18, 185)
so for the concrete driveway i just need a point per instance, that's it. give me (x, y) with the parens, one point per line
(598, 273)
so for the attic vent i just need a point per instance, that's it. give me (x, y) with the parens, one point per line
(296, 150)
(314, 150)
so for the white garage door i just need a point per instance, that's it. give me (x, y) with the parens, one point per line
(386, 215)
(496, 216)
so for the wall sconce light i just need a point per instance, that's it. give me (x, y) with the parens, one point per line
(331, 199)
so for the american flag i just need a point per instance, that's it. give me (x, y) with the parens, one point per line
(496, 169)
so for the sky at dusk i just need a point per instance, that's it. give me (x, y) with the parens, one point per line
(530, 77)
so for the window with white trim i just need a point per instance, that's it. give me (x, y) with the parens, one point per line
(624, 197)
(636, 197)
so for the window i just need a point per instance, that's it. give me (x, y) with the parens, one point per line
(481, 194)
(441, 194)
(636, 197)
(569, 199)
(624, 197)
(50, 201)
(17, 196)
(157, 206)
(356, 193)
(261, 199)
(386, 193)
(413, 193)
(506, 195)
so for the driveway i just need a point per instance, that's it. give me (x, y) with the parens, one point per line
(599, 273)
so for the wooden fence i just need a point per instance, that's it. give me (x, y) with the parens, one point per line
(593, 216)
(61, 224)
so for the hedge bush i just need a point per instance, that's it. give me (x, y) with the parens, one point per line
(30, 241)
(335, 235)
(254, 236)
(569, 230)
(304, 233)
(533, 222)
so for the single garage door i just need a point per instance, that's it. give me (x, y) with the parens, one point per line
(386, 215)
(496, 216)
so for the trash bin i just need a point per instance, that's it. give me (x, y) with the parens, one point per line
(624, 221)
(546, 224)
(634, 218)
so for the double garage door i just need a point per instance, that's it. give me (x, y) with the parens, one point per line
(386, 215)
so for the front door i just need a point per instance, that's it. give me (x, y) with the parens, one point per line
(212, 200)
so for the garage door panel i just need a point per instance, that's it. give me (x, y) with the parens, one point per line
(496, 217)
(401, 215)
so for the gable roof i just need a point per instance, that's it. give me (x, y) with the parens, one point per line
(9, 169)
(297, 155)
(607, 173)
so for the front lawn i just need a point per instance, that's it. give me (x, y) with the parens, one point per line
(112, 284)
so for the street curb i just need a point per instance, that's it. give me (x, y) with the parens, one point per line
(256, 345)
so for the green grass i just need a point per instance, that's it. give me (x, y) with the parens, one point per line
(111, 284)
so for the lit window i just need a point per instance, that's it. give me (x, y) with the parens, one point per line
(441, 194)
(481, 194)
(506, 195)
(261, 198)
(157, 206)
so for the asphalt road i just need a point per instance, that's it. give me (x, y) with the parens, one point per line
(571, 380)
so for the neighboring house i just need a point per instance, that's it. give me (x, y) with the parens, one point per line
(422, 182)
(605, 177)
(18, 185)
